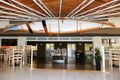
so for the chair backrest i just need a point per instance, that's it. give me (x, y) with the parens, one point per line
(114, 54)
(17, 53)
(9, 51)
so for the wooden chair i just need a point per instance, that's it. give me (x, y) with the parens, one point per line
(17, 57)
(114, 58)
(10, 55)
(2, 53)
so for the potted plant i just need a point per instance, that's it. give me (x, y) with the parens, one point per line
(98, 59)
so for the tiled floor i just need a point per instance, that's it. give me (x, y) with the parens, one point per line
(25, 73)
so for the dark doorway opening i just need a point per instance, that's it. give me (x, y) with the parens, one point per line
(82, 61)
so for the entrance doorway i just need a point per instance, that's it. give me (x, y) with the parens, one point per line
(44, 59)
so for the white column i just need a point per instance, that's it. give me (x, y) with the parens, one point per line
(118, 41)
(103, 58)
(22, 42)
(31, 58)
(97, 42)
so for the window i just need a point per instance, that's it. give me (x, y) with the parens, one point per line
(9, 42)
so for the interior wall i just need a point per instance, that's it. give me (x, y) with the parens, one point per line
(118, 39)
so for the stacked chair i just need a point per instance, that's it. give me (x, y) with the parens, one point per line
(15, 56)
(114, 57)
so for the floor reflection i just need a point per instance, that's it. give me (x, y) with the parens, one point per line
(71, 64)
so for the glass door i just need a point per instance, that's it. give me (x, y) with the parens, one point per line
(89, 53)
(71, 49)
(49, 49)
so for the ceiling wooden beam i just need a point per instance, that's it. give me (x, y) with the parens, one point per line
(44, 26)
(29, 28)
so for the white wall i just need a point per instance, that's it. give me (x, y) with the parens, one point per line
(3, 23)
(97, 42)
(118, 40)
(116, 21)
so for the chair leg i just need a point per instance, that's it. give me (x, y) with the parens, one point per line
(110, 65)
(9, 63)
(20, 64)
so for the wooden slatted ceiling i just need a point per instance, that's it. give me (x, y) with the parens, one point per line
(95, 4)
(92, 5)
(12, 11)
(31, 4)
(54, 6)
(69, 5)
(103, 0)
(7, 6)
